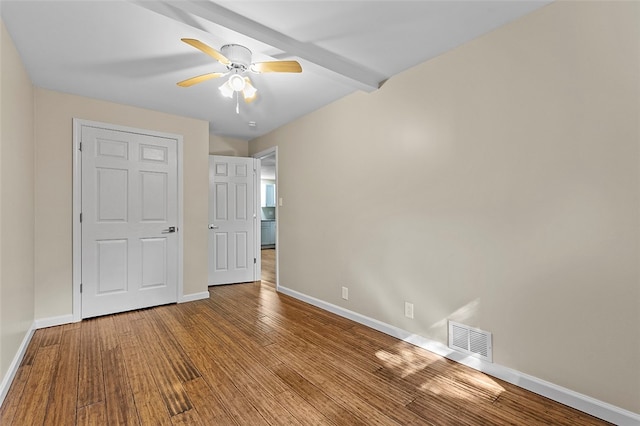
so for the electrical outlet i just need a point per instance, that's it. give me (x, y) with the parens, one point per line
(408, 310)
(345, 293)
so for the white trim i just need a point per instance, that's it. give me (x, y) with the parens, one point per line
(76, 231)
(584, 403)
(180, 225)
(77, 205)
(15, 364)
(53, 321)
(260, 155)
(193, 297)
(257, 222)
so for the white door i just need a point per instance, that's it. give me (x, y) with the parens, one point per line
(129, 221)
(232, 219)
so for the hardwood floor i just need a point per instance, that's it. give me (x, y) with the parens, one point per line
(268, 266)
(251, 356)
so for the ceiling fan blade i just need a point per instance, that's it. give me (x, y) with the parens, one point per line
(208, 50)
(199, 79)
(276, 66)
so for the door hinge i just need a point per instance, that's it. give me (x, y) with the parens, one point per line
(80, 146)
(80, 217)
(254, 260)
(80, 287)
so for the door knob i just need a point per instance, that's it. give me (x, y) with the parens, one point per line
(212, 226)
(169, 230)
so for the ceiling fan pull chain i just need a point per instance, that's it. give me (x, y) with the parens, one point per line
(237, 103)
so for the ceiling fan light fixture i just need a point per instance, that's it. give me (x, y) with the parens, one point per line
(226, 89)
(237, 83)
(249, 91)
(237, 60)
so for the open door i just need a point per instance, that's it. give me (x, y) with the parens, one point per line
(233, 220)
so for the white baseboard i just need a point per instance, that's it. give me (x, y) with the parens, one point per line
(584, 403)
(15, 364)
(194, 296)
(53, 321)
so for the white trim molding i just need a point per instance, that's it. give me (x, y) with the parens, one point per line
(584, 403)
(15, 364)
(193, 297)
(53, 321)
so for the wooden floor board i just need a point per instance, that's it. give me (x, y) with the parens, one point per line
(92, 415)
(33, 347)
(90, 379)
(316, 397)
(268, 267)
(161, 369)
(234, 401)
(51, 336)
(208, 405)
(303, 411)
(33, 404)
(188, 418)
(177, 359)
(61, 408)
(251, 356)
(146, 395)
(120, 405)
(10, 407)
(269, 408)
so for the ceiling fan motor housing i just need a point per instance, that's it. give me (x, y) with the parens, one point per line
(239, 56)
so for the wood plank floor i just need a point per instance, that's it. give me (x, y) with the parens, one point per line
(268, 266)
(250, 356)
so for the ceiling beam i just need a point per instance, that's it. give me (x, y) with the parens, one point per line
(349, 72)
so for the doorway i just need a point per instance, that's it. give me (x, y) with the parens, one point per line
(269, 204)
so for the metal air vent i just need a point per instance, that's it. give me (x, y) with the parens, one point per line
(471, 341)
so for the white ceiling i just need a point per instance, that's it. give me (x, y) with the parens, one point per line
(130, 51)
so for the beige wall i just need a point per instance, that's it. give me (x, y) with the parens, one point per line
(16, 202)
(54, 114)
(496, 185)
(224, 145)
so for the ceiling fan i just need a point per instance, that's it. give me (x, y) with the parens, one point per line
(237, 59)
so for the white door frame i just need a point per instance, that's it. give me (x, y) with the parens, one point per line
(260, 155)
(257, 231)
(77, 206)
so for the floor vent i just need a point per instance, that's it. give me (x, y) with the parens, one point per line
(470, 341)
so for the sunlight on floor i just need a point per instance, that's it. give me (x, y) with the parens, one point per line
(427, 368)
(405, 361)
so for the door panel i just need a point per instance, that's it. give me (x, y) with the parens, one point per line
(242, 249)
(129, 201)
(232, 219)
(111, 195)
(154, 252)
(221, 200)
(220, 252)
(112, 266)
(154, 196)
